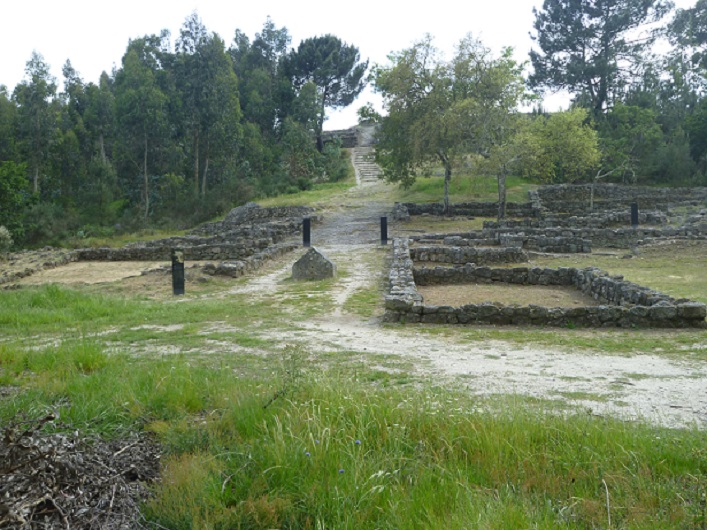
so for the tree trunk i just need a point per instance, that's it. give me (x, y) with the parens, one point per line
(502, 194)
(146, 182)
(591, 193)
(196, 162)
(447, 180)
(102, 144)
(320, 125)
(35, 180)
(206, 170)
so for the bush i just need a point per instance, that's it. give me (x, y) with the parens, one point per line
(5, 240)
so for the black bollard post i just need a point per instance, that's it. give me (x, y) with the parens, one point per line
(384, 230)
(177, 271)
(634, 214)
(306, 232)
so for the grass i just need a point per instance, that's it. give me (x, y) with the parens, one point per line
(676, 270)
(464, 188)
(328, 452)
(286, 437)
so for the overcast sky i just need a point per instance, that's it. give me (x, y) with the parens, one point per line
(94, 34)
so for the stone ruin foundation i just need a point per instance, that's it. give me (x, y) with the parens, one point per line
(623, 304)
(244, 241)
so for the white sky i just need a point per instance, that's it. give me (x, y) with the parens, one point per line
(94, 34)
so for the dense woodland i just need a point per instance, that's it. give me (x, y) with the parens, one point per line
(180, 132)
(176, 135)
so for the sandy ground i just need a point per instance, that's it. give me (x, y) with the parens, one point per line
(90, 272)
(544, 295)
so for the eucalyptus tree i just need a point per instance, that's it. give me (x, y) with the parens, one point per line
(141, 112)
(8, 110)
(208, 89)
(265, 92)
(440, 111)
(36, 116)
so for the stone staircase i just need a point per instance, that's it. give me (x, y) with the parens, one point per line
(367, 171)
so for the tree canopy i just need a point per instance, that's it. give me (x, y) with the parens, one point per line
(439, 111)
(334, 67)
(592, 48)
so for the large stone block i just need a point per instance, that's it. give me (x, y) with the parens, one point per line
(313, 266)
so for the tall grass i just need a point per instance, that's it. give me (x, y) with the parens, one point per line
(336, 455)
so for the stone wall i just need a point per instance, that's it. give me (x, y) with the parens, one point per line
(627, 304)
(287, 219)
(606, 237)
(575, 198)
(469, 209)
(461, 255)
(237, 268)
(608, 219)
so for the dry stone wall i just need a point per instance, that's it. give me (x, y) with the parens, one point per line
(469, 209)
(575, 198)
(461, 255)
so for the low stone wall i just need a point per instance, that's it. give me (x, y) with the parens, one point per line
(254, 213)
(610, 290)
(162, 252)
(461, 255)
(536, 242)
(238, 268)
(576, 197)
(28, 262)
(628, 304)
(606, 237)
(610, 219)
(469, 209)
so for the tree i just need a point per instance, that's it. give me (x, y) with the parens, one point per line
(334, 68)
(140, 109)
(35, 115)
(561, 147)
(592, 48)
(629, 135)
(441, 111)
(209, 95)
(265, 92)
(8, 110)
(100, 115)
(13, 196)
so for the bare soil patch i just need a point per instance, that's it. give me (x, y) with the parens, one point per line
(89, 272)
(476, 293)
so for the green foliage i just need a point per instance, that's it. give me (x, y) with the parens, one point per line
(333, 67)
(590, 47)
(440, 111)
(560, 147)
(35, 116)
(14, 195)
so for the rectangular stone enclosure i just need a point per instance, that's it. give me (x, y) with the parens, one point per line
(624, 304)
